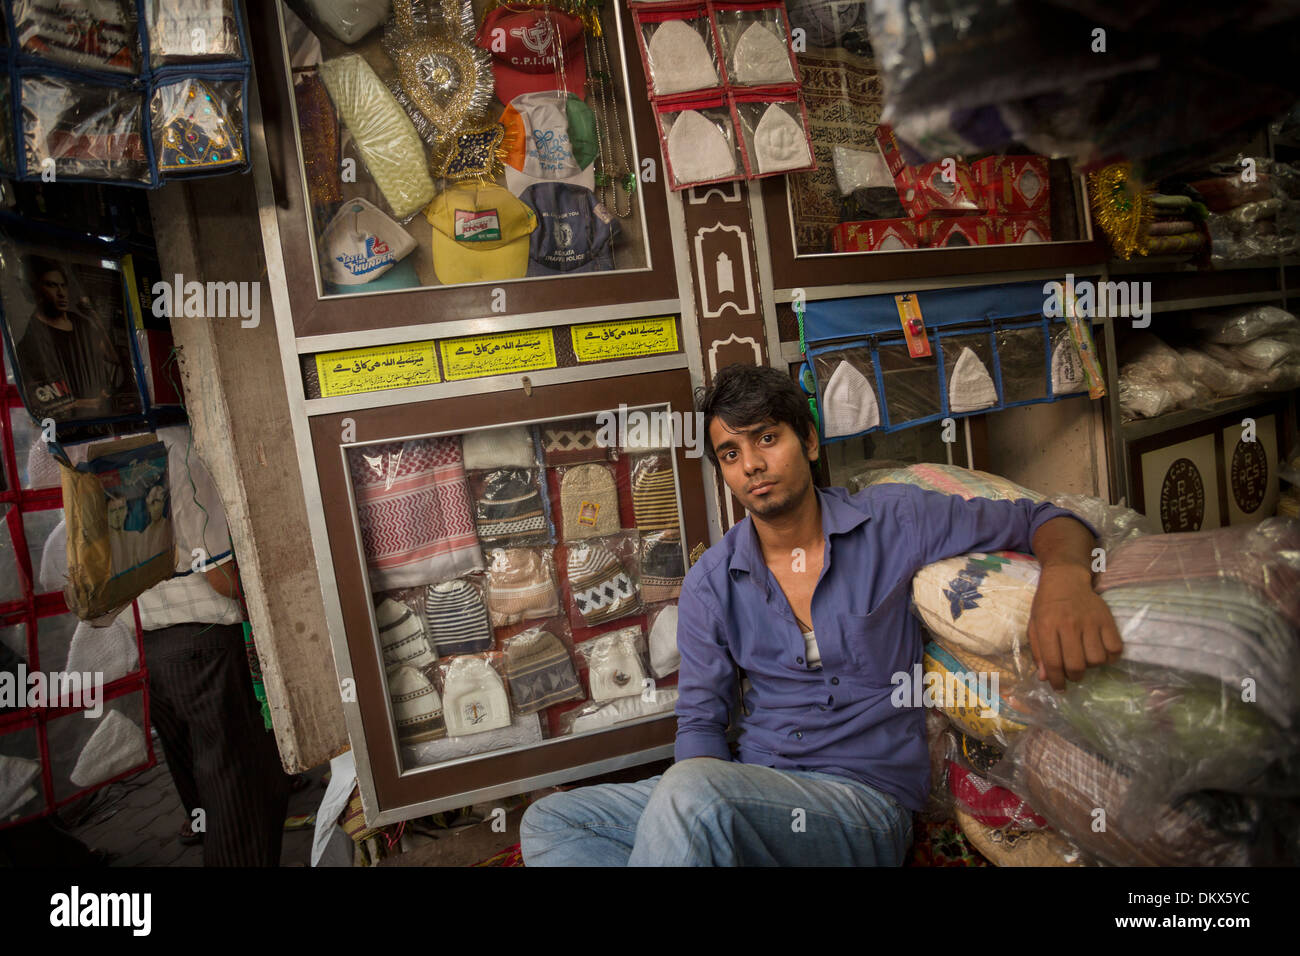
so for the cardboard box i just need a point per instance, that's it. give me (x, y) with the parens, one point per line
(875, 235)
(1020, 229)
(1014, 185)
(944, 187)
(954, 231)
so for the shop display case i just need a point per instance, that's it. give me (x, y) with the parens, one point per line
(495, 567)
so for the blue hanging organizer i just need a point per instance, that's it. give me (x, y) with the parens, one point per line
(1005, 322)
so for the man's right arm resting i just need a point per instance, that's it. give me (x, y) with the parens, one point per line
(706, 681)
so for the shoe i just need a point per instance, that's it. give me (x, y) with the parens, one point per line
(187, 836)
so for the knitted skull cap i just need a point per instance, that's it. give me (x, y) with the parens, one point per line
(971, 386)
(849, 403)
(614, 665)
(417, 709)
(662, 568)
(664, 658)
(654, 495)
(520, 586)
(780, 142)
(475, 699)
(571, 442)
(589, 502)
(698, 151)
(17, 774)
(401, 634)
(115, 747)
(510, 506)
(761, 58)
(499, 448)
(540, 671)
(458, 618)
(110, 652)
(602, 588)
(679, 59)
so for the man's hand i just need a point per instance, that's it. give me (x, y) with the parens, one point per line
(1070, 626)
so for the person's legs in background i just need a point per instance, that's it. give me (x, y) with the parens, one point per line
(234, 767)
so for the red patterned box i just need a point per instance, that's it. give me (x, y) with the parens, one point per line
(1018, 229)
(954, 231)
(875, 235)
(1014, 185)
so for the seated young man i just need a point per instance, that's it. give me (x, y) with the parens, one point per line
(809, 596)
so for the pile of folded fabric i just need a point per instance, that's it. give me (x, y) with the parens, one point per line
(1181, 753)
(1254, 209)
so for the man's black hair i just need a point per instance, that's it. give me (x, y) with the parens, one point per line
(747, 395)
(38, 266)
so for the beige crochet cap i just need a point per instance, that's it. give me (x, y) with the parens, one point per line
(520, 586)
(589, 502)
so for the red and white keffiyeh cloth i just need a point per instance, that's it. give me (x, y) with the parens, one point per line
(414, 510)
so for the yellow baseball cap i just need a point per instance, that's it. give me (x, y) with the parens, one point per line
(480, 234)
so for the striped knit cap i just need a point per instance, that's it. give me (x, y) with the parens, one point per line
(602, 588)
(458, 619)
(509, 506)
(540, 671)
(662, 568)
(589, 503)
(654, 494)
(417, 709)
(401, 634)
(568, 443)
(520, 586)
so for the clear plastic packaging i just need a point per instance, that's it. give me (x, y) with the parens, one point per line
(654, 493)
(80, 129)
(21, 787)
(403, 636)
(602, 580)
(456, 617)
(508, 508)
(1068, 784)
(489, 448)
(662, 561)
(615, 665)
(679, 51)
(391, 148)
(8, 157)
(911, 384)
(413, 508)
(774, 136)
(859, 169)
(521, 585)
(524, 731)
(589, 501)
(968, 367)
(1220, 379)
(88, 34)
(198, 126)
(597, 716)
(1267, 351)
(974, 692)
(1021, 358)
(349, 20)
(1068, 375)
(699, 143)
(417, 706)
(664, 656)
(949, 479)
(849, 402)
(474, 697)
(756, 45)
(988, 803)
(539, 667)
(190, 31)
(574, 442)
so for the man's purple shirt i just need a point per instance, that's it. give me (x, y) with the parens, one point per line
(837, 718)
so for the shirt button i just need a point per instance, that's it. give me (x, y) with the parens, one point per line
(798, 660)
(835, 680)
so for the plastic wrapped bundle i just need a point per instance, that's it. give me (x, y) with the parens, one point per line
(1068, 784)
(948, 479)
(388, 143)
(1185, 732)
(1153, 379)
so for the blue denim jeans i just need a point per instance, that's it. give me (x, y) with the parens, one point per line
(706, 812)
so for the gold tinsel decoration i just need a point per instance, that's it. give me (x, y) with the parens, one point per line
(1122, 208)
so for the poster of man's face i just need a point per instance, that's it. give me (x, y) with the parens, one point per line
(66, 323)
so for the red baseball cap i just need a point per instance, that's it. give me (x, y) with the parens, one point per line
(524, 53)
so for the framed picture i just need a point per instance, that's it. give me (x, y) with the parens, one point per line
(66, 331)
